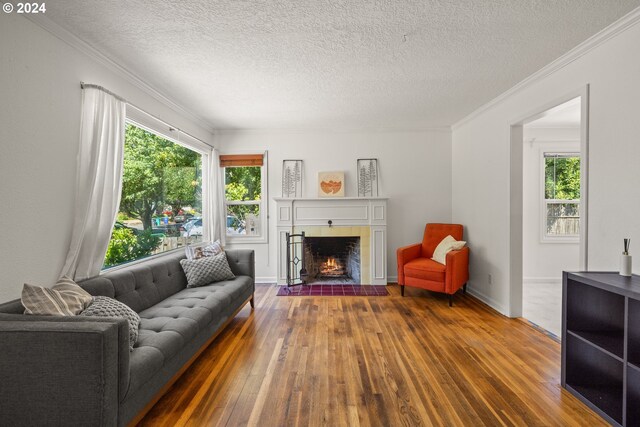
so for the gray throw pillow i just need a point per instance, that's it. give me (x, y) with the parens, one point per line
(109, 307)
(66, 298)
(205, 270)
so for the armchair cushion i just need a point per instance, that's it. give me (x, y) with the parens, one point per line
(425, 269)
(434, 233)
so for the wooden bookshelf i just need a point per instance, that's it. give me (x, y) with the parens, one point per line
(601, 343)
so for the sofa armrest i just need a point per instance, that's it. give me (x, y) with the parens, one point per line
(457, 269)
(59, 372)
(404, 255)
(242, 262)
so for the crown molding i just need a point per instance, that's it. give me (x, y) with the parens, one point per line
(618, 27)
(77, 43)
(336, 130)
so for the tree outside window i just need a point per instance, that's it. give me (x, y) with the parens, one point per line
(243, 194)
(161, 193)
(562, 194)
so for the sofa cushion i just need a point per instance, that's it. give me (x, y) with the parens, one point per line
(141, 286)
(425, 269)
(206, 270)
(169, 325)
(144, 363)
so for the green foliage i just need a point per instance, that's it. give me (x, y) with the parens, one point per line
(562, 178)
(242, 183)
(156, 173)
(122, 217)
(126, 246)
(120, 245)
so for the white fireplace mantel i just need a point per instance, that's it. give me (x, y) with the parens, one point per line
(339, 217)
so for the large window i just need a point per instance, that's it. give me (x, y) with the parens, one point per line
(561, 196)
(161, 202)
(244, 183)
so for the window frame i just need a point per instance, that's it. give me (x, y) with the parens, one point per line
(263, 203)
(143, 120)
(544, 202)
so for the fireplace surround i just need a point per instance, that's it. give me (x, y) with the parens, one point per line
(349, 217)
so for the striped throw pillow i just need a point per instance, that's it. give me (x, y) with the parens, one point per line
(66, 298)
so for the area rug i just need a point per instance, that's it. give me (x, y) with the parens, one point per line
(333, 290)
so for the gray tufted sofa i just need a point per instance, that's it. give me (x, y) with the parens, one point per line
(79, 370)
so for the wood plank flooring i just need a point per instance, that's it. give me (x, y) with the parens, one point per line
(373, 361)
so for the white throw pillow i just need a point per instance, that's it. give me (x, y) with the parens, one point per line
(447, 244)
(209, 249)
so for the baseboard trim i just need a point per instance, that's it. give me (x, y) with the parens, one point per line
(266, 279)
(488, 301)
(533, 280)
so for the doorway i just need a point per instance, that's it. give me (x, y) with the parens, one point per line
(548, 207)
(551, 211)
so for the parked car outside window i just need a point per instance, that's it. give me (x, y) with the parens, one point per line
(234, 225)
(182, 218)
(192, 227)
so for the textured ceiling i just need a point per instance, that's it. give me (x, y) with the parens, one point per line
(334, 64)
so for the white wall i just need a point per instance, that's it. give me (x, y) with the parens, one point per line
(39, 126)
(481, 156)
(544, 260)
(415, 174)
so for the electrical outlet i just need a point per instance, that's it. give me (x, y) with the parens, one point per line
(490, 279)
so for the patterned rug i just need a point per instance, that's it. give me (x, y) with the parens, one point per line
(333, 290)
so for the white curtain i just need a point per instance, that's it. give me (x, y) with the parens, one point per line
(99, 181)
(214, 203)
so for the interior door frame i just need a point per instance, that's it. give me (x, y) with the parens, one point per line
(516, 147)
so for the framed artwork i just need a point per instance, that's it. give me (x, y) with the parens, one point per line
(291, 178)
(331, 184)
(367, 172)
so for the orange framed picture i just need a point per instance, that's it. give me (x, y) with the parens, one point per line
(330, 184)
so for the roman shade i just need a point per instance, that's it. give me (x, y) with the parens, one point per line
(230, 160)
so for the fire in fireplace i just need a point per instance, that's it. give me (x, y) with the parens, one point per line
(332, 267)
(332, 259)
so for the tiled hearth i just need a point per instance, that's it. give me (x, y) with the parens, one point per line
(333, 290)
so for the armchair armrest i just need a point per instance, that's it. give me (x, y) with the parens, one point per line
(457, 273)
(60, 372)
(404, 255)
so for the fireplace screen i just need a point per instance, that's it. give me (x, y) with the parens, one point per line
(296, 273)
(332, 259)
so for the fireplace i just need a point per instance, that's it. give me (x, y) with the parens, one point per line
(332, 259)
(350, 217)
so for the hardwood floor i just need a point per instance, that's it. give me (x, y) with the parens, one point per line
(373, 361)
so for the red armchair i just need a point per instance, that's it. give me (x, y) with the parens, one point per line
(416, 268)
